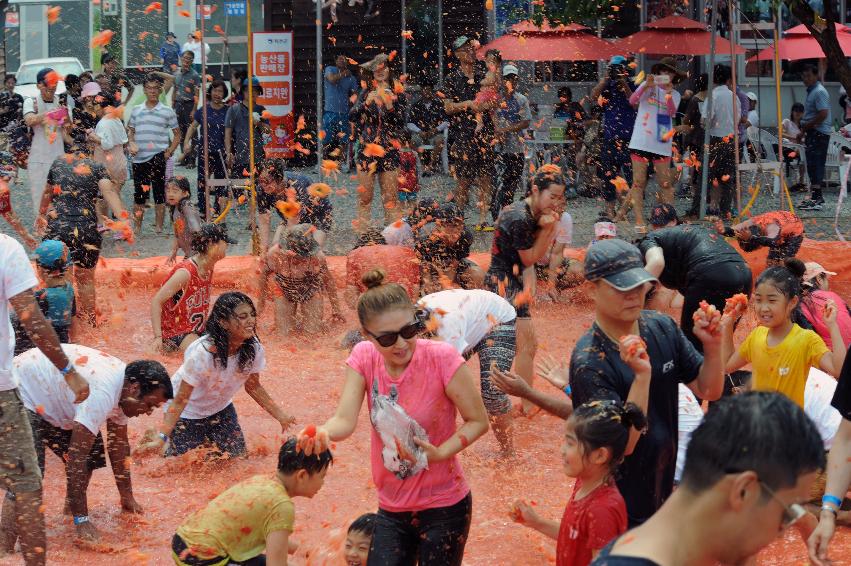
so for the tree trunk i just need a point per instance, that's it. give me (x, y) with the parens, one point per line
(824, 30)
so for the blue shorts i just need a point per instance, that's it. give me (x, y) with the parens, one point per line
(336, 127)
(408, 196)
(220, 430)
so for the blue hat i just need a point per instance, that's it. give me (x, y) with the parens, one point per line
(51, 254)
(617, 60)
(255, 83)
(42, 74)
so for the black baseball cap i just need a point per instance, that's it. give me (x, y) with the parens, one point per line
(663, 214)
(618, 262)
(42, 75)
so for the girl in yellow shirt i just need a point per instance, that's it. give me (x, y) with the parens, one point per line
(781, 352)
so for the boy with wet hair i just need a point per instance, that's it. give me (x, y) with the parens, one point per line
(359, 539)
(254, 516)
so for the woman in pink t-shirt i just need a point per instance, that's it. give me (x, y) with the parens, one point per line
(816, 295)
(414, 389)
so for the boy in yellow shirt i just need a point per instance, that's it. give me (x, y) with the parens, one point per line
(253, 516)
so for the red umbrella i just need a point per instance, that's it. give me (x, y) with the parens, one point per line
(799, 43)
(675, 35)
(528, 42)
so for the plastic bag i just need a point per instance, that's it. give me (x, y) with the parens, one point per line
(397, 431)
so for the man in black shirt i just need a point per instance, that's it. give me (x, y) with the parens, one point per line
(429, 117)
(839, 469)
(471, 151)
(698, 263)
(11, 104)
(750, 466)
(604, 366)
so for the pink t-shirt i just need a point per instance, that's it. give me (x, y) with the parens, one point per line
(422, 394)
(813, 309)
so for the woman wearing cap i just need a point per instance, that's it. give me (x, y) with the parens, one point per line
(816, 293)
(780, 231)
(694, 261)
(108, 141)
(657, 103)
(299, 274)
(179, 309)
(379, 116)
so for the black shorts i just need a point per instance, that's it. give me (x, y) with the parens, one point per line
(785, 248)
(59, 442)
(472, 160)
(390, 162)
(149, 177)
(513, 287)
(82, 238)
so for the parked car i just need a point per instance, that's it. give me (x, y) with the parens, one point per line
(27, 72)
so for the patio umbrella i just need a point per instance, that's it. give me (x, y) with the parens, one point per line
(675, 35)
(528, 42)
(799, 43)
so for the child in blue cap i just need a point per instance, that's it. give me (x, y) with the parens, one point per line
(56, 298)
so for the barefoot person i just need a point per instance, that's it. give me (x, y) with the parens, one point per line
(73, 432)
(479, 322)
(226, 358)
(19, 473)
(625, 351)
(750, 465)
(179, 309)
(416, 389)
(525, 231)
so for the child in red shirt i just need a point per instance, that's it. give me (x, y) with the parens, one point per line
(595, 441)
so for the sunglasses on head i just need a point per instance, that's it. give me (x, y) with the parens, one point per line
(406, 332)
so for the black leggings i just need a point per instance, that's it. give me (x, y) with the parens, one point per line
(180, 551)
(715, 286)
(433, 537)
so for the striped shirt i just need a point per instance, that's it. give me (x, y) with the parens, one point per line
(152, 127)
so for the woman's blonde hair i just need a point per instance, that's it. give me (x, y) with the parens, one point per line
(380, 297)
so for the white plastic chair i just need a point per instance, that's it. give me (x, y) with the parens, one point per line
(761, 140)
(837, 143)
(801, 153)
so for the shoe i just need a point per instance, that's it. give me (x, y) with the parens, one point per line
(427, 173)
(811, 204)
(483, 227)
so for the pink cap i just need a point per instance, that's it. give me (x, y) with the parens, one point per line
(605, 230)
(91, 88)
(814, 270)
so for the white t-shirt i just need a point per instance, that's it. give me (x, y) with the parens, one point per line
(47, 142)
(653, 121)
(111, 133)
(214, 387)
(195, 48)
(564, 235)
(790, 128)
(723, 120)
(818, 394)
(16, 276)
(753, 118)
(689, 417)
(44, 391)
(399, 235)
(465, 317)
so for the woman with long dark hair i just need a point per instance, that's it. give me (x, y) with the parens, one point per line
(379, 115)
(228, 356)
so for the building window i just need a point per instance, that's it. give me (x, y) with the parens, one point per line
(565, 71)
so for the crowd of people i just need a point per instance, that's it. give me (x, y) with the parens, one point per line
(663, 430)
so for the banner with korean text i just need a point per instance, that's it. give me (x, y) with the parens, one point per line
(273, 67)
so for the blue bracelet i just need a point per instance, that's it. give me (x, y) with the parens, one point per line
(80, 519)
(163, 436)
(832, 499)
(567, 390)
(67, 369)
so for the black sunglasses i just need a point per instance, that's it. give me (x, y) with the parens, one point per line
(406, 332)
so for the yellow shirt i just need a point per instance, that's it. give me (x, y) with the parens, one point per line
(236, 523)
(783, 368)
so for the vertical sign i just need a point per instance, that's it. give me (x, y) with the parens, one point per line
(273, 67)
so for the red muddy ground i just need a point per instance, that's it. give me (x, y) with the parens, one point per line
(305, 377)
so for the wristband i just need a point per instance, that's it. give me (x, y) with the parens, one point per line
(831, 499)
(162, 436)
(67, 369)
(80, 519)
(567, 390)
(831, 509)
